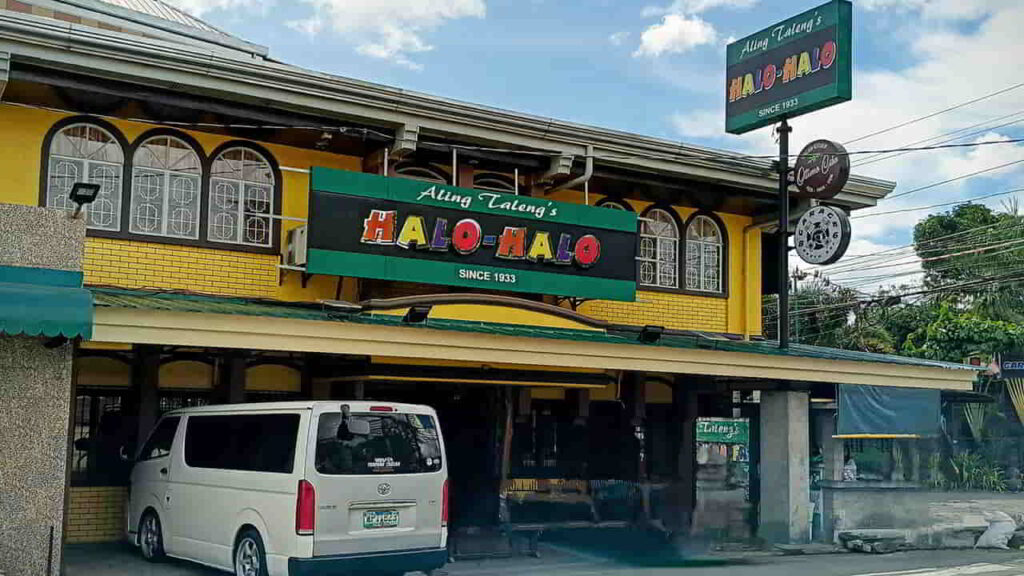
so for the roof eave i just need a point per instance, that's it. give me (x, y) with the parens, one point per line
(155, 62)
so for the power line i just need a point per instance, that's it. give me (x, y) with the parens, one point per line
(954, 203)
(934, 114)
(955, 179)
(955, 135)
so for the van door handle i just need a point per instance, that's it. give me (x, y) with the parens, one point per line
(163, 471)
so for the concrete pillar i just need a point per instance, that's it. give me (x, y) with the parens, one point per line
(231, 380)
(634, 397)
(832, 451)
(35, 402)
(785, 481)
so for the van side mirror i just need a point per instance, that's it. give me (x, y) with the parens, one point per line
(126, 453)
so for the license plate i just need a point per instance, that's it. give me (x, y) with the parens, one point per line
(380, 519)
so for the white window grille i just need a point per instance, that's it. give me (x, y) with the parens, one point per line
(659, 250)
(704, 255)
(87, 153)
(166, 182)
(241, 198)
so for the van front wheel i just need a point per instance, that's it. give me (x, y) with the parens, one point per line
(151, 537)
(250, 556)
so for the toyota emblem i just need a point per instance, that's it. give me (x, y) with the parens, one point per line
(384, 489)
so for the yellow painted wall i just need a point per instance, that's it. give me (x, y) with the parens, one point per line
(136, 264)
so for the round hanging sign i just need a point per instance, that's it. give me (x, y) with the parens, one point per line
(822, 235)
(821, 170)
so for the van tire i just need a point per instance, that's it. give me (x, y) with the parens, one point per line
(250, 558)
(151, 537)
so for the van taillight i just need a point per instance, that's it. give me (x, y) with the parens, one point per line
(381, 409)
(444, 504)
(305, 508)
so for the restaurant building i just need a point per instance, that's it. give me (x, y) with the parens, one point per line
(571, 299)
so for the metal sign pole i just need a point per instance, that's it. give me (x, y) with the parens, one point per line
(783, 235)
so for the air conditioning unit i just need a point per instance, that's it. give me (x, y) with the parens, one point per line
(296, 252)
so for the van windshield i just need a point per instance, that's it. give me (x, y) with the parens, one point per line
(396, 444)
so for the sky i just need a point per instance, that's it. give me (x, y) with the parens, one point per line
(657, 68)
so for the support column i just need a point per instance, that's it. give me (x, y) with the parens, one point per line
(681, 498)
(231, 380)
(146, 382)
(785, 482)
(831, 448)
(634, 396)
(833, 458)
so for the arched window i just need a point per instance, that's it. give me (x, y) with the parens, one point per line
(704, 255)
(659, 250)
(426, 173)
(85, 152)
(241, 206)
(166, 182)
(494, 183)
(613, 205)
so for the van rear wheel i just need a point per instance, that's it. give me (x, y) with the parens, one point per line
(250, 556)
(151, 537)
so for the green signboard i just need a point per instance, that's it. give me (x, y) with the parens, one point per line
(790, 68)
(369, 226)
(723, 430)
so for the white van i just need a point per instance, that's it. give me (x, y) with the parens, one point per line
(294, 488)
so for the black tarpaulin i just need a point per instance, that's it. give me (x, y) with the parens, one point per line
(881, 411)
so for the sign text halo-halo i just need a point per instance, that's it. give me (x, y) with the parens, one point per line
(822, 235)
(821, 171)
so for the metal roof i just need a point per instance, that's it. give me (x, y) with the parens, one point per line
(177, 302)
(165, 11)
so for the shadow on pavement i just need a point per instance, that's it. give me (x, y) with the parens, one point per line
(640, 548)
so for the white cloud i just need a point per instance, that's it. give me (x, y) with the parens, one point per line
(391, 30)
(675, 34)
(681, 28)
(200, 7)
(618, 38)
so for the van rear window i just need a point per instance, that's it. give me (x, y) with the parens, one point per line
(395, 444)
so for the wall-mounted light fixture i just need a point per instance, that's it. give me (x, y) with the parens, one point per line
(83, 193)
(417, 314)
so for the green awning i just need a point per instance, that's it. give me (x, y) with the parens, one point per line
(44, 302)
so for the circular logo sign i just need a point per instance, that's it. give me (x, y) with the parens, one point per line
(822, 235)
(384, 489)
(821, 170)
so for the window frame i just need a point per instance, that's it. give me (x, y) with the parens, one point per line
(142, 449)
(128, 150)
(46, 154)
(674, 218)
(129, 194)
(616, 204)
(275, 208)
(725, 262)
(486, 181)
(437, 176)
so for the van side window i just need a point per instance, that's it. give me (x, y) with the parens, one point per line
(159, 443)
(251, 442)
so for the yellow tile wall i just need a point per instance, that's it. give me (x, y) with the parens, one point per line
(96, 514)
(675, 311)
(145, 265)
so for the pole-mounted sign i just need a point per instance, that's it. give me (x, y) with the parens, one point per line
(790, 68)
(787, 69)
(821, 170)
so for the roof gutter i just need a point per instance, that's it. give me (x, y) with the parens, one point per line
(189, 68)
